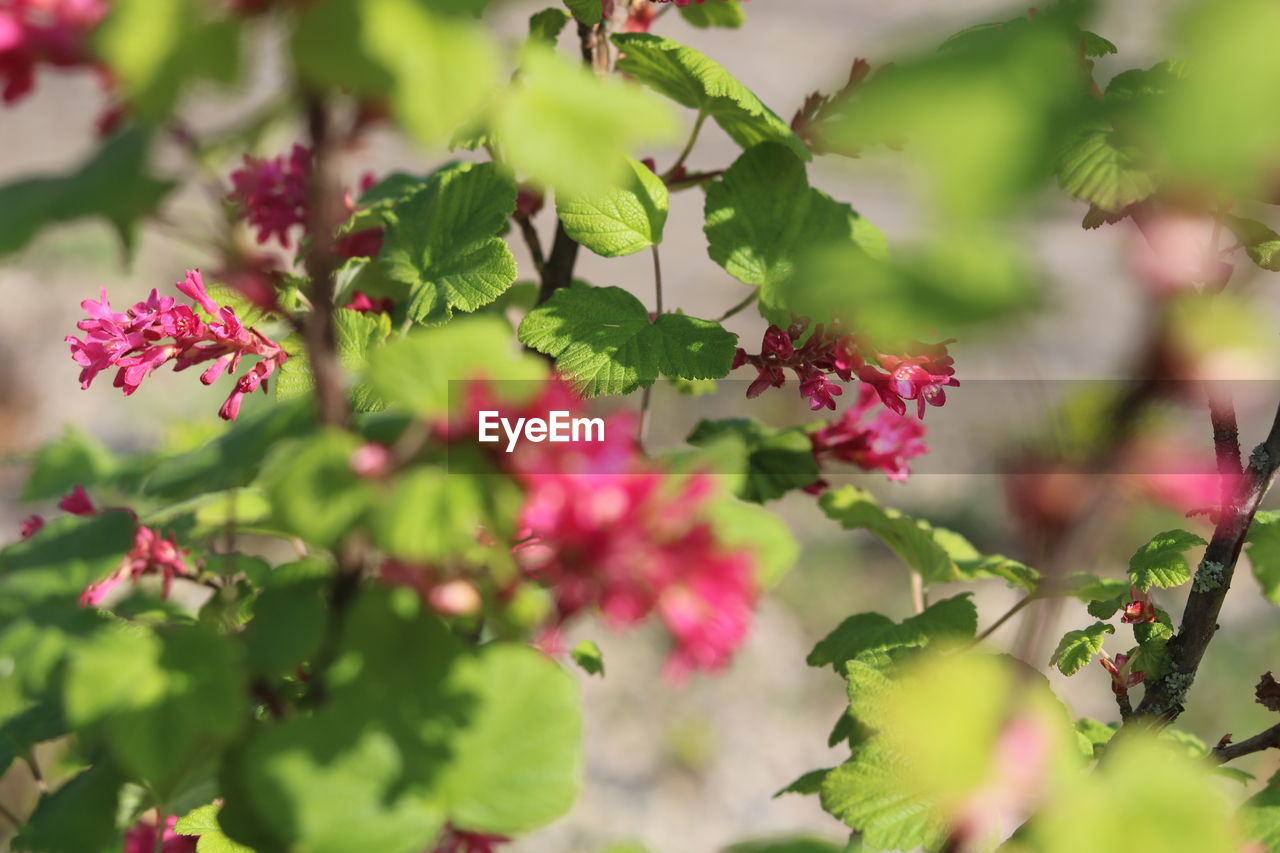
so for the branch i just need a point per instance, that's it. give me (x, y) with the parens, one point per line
(1164, 697)
(1263, 740)
(532, 240)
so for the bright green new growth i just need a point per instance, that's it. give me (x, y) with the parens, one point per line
(1161, 563)
(621, 220)
(1077, 648)
(604, 343)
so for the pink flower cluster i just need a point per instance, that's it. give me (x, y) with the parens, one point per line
(920, 374)
(884, 443)
(151, 553)
(160, 330)
(272, 196)
(606, 529)
(141, 838)
(461, 841)
(43, 32)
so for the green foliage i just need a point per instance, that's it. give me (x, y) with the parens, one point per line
(725, 13)
(79, 816)
(1260, 243)
(1097, 167)
(571, 130)
(947, 622)
(776, 461)
(587, 12)
(431, 515)
(357, 334)
(763, 218)
(62, 559)
(1077, 648)
(546, 26)
(604, 343)
(73, 459)
(156, 47)
(588, 656)
(115, 185)
(204, 823)
(443, 241)
(315, 493)
(694, 80)
(288, 625)
(1263, 550)
(1160, 562)
(765, 536)
(621, 220)
(1261, 815)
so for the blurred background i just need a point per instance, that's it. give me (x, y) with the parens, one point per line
(693, 767)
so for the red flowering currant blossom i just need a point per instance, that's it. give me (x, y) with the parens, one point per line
(883, 443)
(151, 554)
(362, 302)
(43, 32)
(141, 838)
(31, 526)
(1139, 609)
(159, 330)
(461, 841)
(1122, 677)
(919, 374)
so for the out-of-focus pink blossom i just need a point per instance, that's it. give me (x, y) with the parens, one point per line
(159, 330)
(885, 442)
(461, 841)
(77, 503)
(273, 193)
(151, 554)
(362, 302)
(371, 460)
(31, 526)
(43, 32)
(141, 838)
(1173, 251)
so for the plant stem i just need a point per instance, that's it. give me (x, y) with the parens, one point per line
(8, 815)
(534, 243)
(657, 278)
(1008, 614)
(917, 592)
(688, 148)
(1267, 739)
(642, 430)
(36, 774)
(754, 295)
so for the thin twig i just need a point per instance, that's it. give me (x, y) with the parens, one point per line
(657, 278)
(29, 757)
(10, 816)
(534, 243)
(688, 147)
(1268, 739)
(917, 592)
(752, 297)
(1008, 614)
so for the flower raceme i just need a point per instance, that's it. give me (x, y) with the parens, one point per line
(43, 32)
(885, 442)
(141, 838)
(921, 374)
(159, 330)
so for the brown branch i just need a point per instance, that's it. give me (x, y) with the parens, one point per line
(534, 243)
(1268, 739)
(558, 271)
(1125, 706)
(1164, 697)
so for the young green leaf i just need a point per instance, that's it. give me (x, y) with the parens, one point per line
(1160, 562)
(621, 220)
(775, 461)
(1262, 546)
(315, 494)
(443, 241)
(587, 12)
(588, 656)
(546, 26)
(699, 83)
(912, 540)
(725, 13)
(1098, 167)
(603, 342)
(203, 822)
(79, 816)
(1077, 648)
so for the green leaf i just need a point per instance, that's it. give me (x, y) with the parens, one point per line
(73, 459)
(315, 494)
(588, 656)
(204, 823)
(288, 626)
(775, 461)
(569, 129)
(546, 26)
(40, 721)
(431, 515)
(1090, 587)
(1097, 167)
(587, 12)
(1096, 45)
(762, 218)
(789, 844)
(1160, 562)
(868, 636)
(762, 533)
(396, 370)
(1093, 735)
(868, 794)
(806, 783)
(62, 558)
(400, 49)
(603, 342)
(1260, 243)
(155, 47)
(1262, 546)
(443, 241)
(114, 185)
(1077, 648)
(357, 333)
(78, 817)
(694, 80)
(158, 703)
(1261, 814)
(621, 220)
(972, 564)
(912, 540)
(722, 13)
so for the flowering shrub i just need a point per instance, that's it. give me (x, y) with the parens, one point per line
(344, 620)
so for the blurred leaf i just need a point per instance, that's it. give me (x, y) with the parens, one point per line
(114, 184)
(1096, 45)
(39, 721)
(62, 558)
(720, 13)
(1260, 243)
(443, 241)
(587, 12)
(798, 844)
(432, 515)
(775, 461)
(204, 823)
(768, 539)
(288, 626)
(946, 622)
(762, 218)
(972, 564)
(357, 334)
(158, 703)
(1263, 550)
(154, 48)
(694, 80)
(806, 783)
(78, 817)
(1261, 815)
(604, 343)
(621, 220)
(1077, 648)
(400, 49)
(315, 494)
(1097, 167)
(588, 656)
(1160, 562)
(73, 459)
(568, 129)
(546, 26)
(396, 370)
(1093, 735)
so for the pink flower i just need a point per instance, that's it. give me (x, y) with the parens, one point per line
(141, 838)
(159, 330)
(151, 554)
(31, 526)
(884, 443)
(1139, 609)
(921, 375)
(1122, 678)
(77, 503)
(362, 302)
(273, 193)
(43, 32)
(371, 460)
(461, 841)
